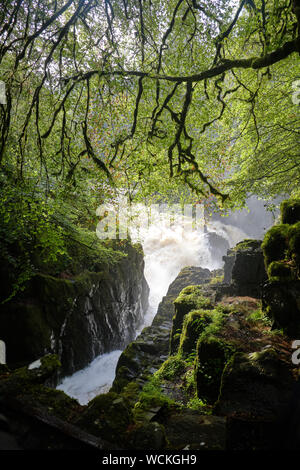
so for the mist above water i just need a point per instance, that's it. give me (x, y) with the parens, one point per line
(169, 247)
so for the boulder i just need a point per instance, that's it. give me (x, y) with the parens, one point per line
(244, 269)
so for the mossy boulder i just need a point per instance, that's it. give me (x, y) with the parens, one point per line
(147, 436)
(107, 416)
(27, 385)
(77, 317)
(173, 367)
(275, 243)
(244, 269)
(194, 324)
(190, 298)
(212, 355)
(256, 385)
(247, 244)
(281, 248)
(22, 379)
(281, 302)
(280, 270)
(290, 211)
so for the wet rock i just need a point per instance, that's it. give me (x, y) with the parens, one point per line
(107, 416)
(79, 318)
(281, 301)
(257, 385)
(193, 431)
(148, 436)
(190, 298)
(145, 355)
(244, 270)
(212, 355)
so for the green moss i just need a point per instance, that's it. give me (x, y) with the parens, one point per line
(194, 324)
(173, 367)
(217, 317)
(131, 392)
(247, 244)
(212, 355)
(191, 296)
(55, 401)
(275, 243)
(290, 211)
(196, 403)
(294, 246)
(151, 397)
(107, 416)
(280, 270)
(217, 279)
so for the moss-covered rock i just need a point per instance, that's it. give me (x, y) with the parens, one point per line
(281, 246)
(294, 248)
(280, 270)
(173, 367)
(147, 436)
(108, 416)
(190, 298)
(244, 270)
(247, 244)
(194, 324)
(281, 302)
(290, 211)
(275, 243)
(77, 317)
(212, 355)
(148, 352)
(257, 385)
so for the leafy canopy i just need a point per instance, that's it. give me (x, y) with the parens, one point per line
(157, 98)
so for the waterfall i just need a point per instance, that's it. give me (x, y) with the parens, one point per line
(167, 249)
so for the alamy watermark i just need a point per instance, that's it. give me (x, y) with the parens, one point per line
(115, 222)
(296, 92)
(2, 92)
(296, 353)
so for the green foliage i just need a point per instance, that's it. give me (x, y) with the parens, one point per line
(259, 316)
(40, 233)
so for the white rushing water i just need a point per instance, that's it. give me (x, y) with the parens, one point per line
(167, 248)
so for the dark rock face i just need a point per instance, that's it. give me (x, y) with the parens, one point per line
(76, 318)
(255, 395)
(146, 354)
(258, 384)
(281, 300)
(35, 417)
(244, 269)
(200, 431)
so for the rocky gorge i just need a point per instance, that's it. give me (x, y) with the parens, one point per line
(214, 371)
